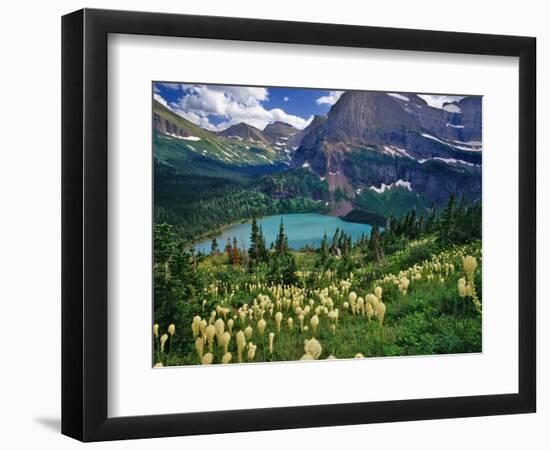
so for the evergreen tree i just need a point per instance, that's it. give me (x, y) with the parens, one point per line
(275, 270)
(375, 247)
(254, 249)
(289, 271)
(324, 253)
(236, 257)
(335, 239)
(430, 224)
(175, 278)
(228, 247)
(281, 241)
(411, 225)
(262, 246)
(254, 252)
(342, 241)
(345, 266)
(214, 249)
(446, 223)
(364, 249)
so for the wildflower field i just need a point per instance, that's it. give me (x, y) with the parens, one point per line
(411, 288)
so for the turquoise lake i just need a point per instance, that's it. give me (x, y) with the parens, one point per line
(301, 229)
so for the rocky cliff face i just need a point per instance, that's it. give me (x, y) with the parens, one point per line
(166, 126)
(374, 138)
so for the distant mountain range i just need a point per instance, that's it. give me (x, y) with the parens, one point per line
(369, 143)
(239, 145)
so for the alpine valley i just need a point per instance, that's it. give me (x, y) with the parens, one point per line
(373, 156)
(355, 233)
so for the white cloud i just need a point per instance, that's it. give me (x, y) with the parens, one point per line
(160, 99)
(329, 99)
(286, 99)
(437, 101)
(233, 104)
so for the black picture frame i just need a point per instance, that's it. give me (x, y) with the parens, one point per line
(84, 224)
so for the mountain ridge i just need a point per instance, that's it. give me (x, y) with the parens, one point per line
(371, 139)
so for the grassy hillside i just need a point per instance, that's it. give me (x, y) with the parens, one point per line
(424, 299)
(203, 142)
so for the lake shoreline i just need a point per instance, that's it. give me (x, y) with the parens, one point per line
(302, 229)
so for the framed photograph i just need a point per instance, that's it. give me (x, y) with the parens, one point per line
(273, 224)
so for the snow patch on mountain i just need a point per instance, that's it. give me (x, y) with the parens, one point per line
(451, 107)
(472, 146)
(399, 96)
(396, 151)
(387, 187)
(449, 161)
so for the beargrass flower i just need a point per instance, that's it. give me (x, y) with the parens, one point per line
(470, 266)
(156, 330)
(314, 323)
(313, 347)
(301, 318)
(210, 332)
(219, 326)
(199, 347)
(251, 353)
(372, 299)
(163, 340)
(370, 311)
(171, 329)
(361, 305)
(380, 312)
(208, 358)
(224, 340)
(278, 320)
(241, 342)
(261, 326)
(271, 337)
(461, 287)
(196, 326)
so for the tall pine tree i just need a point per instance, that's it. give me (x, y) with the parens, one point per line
(214, 248)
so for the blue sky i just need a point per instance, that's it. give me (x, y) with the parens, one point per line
(216, 107)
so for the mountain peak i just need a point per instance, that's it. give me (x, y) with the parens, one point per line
(241, 125)
(246, 132)
(278, 123)
(280, 132)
